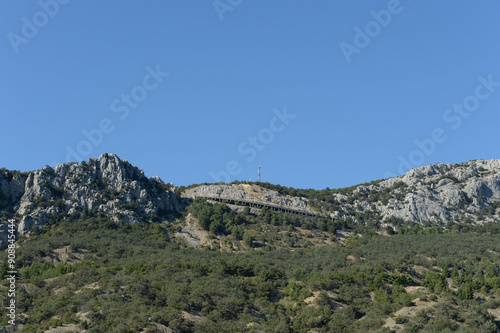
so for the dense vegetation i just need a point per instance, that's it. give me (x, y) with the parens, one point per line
(132, 276)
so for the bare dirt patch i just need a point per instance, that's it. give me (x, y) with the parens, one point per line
(158, 328)
(193, 234)
(391, 324)
(59, 290)
(411, 311)
(93, 286)
(408, 311)
(413, 289)
(310, 301)
(193, 316)
(65, 256)
(64, 329)
(383, 233)
(493, 252)
(29, 287)
(495, 313)
(420, 269)
(83, 316)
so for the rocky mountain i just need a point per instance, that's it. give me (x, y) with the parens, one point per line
(106, 184)
(439, 194)
(348, 271)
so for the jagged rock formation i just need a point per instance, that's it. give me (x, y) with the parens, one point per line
(106, 184)
(439, 193)
(249, 192)
(436, 194)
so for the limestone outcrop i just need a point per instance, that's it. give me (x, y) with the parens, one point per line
(106, 184)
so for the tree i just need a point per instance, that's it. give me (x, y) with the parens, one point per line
(216, 227)
(491, 271)
(237, 232)
(248, 239)
(465, 291)
(204, 218)
(435, 282)
(398, 290)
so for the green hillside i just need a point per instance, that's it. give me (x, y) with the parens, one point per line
(119, 277)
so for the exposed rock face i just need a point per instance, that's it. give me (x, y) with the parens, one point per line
(250, 193)
(106, 184)
(438, 193)
(434, 193)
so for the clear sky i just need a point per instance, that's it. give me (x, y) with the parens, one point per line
(320, 93)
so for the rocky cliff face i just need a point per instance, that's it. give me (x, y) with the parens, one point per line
(439, 193)
(435, 194)
(250, 193)
(106, 184)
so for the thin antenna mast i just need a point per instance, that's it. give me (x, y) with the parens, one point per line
(259, 175)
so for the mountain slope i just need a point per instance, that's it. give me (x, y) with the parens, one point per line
(439, 194)
(106, 184)
(258, 269)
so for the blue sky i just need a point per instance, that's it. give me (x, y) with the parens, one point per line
(321, 94)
